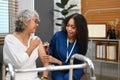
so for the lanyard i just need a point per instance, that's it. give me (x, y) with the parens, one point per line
(68, 55)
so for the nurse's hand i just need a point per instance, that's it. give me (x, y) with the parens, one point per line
(50, 59)
(46, 47)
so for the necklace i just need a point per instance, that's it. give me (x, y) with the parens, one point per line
(69, 54)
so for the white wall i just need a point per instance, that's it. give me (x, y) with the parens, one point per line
(25, 4)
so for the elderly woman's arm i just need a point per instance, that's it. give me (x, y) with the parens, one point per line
(41, 54)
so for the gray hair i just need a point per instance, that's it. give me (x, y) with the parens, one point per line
(24, 17)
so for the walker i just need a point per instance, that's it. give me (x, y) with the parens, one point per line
(87, 62)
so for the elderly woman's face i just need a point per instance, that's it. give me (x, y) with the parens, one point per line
(71, 28)
(33, 24)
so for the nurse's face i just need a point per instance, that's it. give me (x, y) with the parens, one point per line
(71, 28)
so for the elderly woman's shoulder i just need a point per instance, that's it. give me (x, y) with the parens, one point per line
(9, 36)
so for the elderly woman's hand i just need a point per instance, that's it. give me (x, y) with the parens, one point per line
(33, 44)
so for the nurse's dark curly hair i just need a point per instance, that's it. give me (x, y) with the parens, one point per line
(82, 31)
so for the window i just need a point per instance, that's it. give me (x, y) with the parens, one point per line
(4, 16)
(8, 10)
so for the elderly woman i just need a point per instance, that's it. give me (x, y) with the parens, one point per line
(22, 48)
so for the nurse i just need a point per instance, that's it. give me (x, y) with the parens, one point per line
(73, 39)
